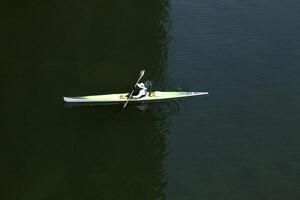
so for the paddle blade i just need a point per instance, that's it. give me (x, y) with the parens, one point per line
(142, 72)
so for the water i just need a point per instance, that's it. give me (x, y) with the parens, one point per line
(239, 142)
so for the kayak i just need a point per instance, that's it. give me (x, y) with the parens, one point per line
(122, 98)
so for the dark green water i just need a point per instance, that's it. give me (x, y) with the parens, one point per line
(240, 142)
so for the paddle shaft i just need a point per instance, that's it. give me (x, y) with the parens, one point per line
(141, 75)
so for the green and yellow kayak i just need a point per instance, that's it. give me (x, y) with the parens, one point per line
(122, 98)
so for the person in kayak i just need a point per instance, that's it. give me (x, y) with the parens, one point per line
(140, 91)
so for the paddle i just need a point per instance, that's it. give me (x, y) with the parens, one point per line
(141, 75)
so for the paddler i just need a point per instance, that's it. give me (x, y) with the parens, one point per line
(140, 91)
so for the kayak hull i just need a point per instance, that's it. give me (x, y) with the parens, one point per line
(121, 98)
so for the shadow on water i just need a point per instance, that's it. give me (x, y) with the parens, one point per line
(60, 49)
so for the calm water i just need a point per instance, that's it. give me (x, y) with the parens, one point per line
(240, 142)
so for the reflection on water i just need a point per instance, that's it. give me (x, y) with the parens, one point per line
(79, 48)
